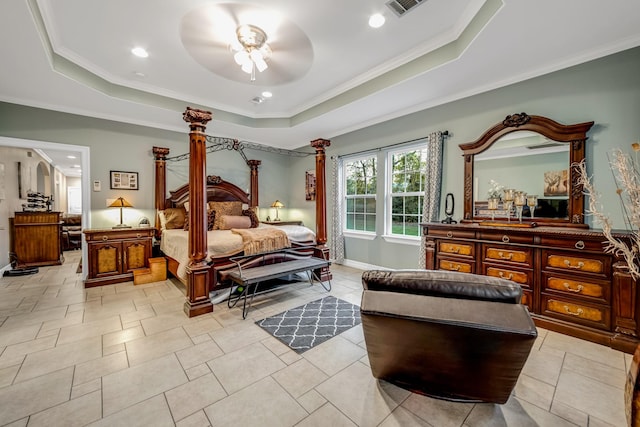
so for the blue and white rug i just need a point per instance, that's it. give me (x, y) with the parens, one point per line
(304, 327)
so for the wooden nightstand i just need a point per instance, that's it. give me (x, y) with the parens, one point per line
(115, 253)
(282, 222)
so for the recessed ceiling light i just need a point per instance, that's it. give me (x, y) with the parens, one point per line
(71, 157)
(267, 94)
(140, 52)
(258, 100)
(376, 20)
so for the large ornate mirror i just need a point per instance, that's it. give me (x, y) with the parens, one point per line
(532, 157)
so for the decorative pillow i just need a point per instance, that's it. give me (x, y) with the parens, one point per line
(211, 219)
(186, 206)
(163, 220)
(227, 222)
(174, 218)
(211, 216)
(224, 208)
(253, 216)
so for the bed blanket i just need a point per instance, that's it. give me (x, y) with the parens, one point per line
(258, 240)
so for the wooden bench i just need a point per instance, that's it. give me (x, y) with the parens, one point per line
(282, 263)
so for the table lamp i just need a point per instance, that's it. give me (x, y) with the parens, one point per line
(120, 202)
(277, 204)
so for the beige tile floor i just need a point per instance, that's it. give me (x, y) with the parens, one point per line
(126, 355)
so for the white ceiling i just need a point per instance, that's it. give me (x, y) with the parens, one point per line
(330, 73)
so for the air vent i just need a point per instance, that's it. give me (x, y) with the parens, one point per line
(547, 145)
(400, 7)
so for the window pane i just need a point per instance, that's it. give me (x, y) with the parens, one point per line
(359, 205)
(397, 205)
(350, 205)
(371, 223)
(370, 205)
(413, 182)
(359, 222)
(350, 222)
(411, 205)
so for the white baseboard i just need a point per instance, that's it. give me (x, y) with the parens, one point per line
(362, 265)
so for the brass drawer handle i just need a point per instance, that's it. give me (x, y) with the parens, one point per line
(579, 244)
(508, 257)
(570, 289)
(454, 250)
(578, 266)
(578, 312)
(454, 267)
(501, 274)
(449, 234)
(105, 238)
(505, 238)
(138, 235)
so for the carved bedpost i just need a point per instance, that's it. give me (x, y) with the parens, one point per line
(253, 190)
(160, 156)
(198, 301)
(321, 202)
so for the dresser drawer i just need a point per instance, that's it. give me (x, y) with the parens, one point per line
(576, 263)
(456, 265)
(511, 254)
(577, 312)
(507, 237)
(527, 299)
(523, 278)
(578, 287)
(452, 233)
(456, 248)
(573, 243)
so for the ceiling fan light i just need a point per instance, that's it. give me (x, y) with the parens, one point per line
(241, 57)
(247, 67)
(260, 64)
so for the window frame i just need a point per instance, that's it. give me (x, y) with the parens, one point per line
(370, 235)
(389, 194)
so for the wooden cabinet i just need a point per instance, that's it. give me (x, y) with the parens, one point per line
(35, 238)
(569, 283)
(114, 254)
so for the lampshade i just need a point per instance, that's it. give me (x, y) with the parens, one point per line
(277, 204)
(120, 202)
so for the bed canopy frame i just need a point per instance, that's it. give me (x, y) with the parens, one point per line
(201, 274)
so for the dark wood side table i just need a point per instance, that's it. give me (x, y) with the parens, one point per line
(115, 253)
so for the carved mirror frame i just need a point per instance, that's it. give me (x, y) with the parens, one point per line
(575, 135)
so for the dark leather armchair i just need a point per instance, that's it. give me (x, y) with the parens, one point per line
(449, 335)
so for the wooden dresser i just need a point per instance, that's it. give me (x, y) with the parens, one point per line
(35, 238)
(114, 254)
(569, 283)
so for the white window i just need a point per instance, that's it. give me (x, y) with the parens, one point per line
(405, 191)
(360, 181)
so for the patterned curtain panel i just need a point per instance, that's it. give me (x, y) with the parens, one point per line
(433, 187)
(336, 244)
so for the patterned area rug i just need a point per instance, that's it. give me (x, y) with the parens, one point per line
(304, 327)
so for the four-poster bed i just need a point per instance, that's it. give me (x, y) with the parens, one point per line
(202, 268)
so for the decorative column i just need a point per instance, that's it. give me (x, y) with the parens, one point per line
(160, 156)
(198, 301)
(253, 190)
(321, 203)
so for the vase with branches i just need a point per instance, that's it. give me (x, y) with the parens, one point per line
(626, 176)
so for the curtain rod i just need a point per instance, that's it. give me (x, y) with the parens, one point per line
(375, 150)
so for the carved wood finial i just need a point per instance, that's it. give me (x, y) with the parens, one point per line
(160, 153)
(213, 179)
(515, 120)
(196, 117)
(320, 144)
(253, 164)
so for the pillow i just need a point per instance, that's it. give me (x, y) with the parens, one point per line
(227, 222)
(224, 208)
(186, 206)
(211, 216)
(174, 218)
(255, 222)
(163, 220)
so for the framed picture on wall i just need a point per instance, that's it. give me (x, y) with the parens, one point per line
(124, 180)
(310, 185)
